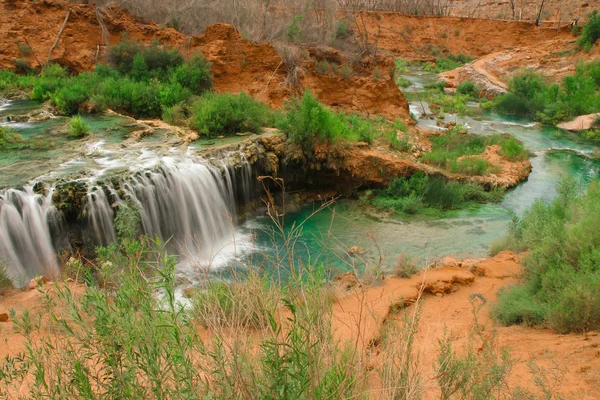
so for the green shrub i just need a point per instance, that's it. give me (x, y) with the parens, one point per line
(403, 82)
(78, 128)
(322, 67)
(132, 58)
(308, 122)
(346, 71)
(531, 96)
(437, 85)
(401, 66)
(294, 32)
(470, 166)
(562, 273)
(419, 192)
(8, 138)
(227, 114)
(515, 305)
(446, 149)
(194, 75)
(70, 98)
(590, 32)
(468, 88)
(342, 29)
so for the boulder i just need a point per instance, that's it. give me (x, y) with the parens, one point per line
(581, 123)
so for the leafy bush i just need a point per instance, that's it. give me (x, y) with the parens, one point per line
(342, 29)
(590, 32)
(194, 74)
(78, 128)
(141, 61)
(562, 273)
(8, 138)
(448, 63)
(227, 114)
(70, 98)
(403, 82)
(468, 88)
(308, 122)
(531, 96)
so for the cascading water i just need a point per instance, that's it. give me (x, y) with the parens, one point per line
(100, 217)
(186, 201)
(27, 221)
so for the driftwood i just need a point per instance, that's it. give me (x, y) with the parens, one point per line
(57, 38)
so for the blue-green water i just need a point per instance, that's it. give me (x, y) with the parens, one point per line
(556, 154)
(329, 234)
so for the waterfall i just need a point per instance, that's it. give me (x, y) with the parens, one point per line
(27, 221)
(185, 201)
(100, 217)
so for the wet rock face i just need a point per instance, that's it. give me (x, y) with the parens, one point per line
(69, 198)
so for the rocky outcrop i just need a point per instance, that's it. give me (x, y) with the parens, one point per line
(487, 84)
(237, 64)
(581, 123)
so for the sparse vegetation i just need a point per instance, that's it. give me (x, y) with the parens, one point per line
(455, 150)
(447, 63)
(561, 283)
(590, 31)
(78, 128)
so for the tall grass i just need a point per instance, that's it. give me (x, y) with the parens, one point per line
(421, 193)
(562, 280)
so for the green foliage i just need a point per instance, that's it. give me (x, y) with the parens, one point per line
(143, 62)
(448, 148)
(401, 66)
(590, 32)
(194, 75)
(127, 222)
(78, 128)
(346, 71)
(448, 63)
(403, 82)
(342, 29)
(468, 88)
(420, 192)
(517, 306)
(5, 282)
(8, 138)
(227, 114)
(144, 81)
(562, 274)
(308, 122)
(294, 32)
(531, 96)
